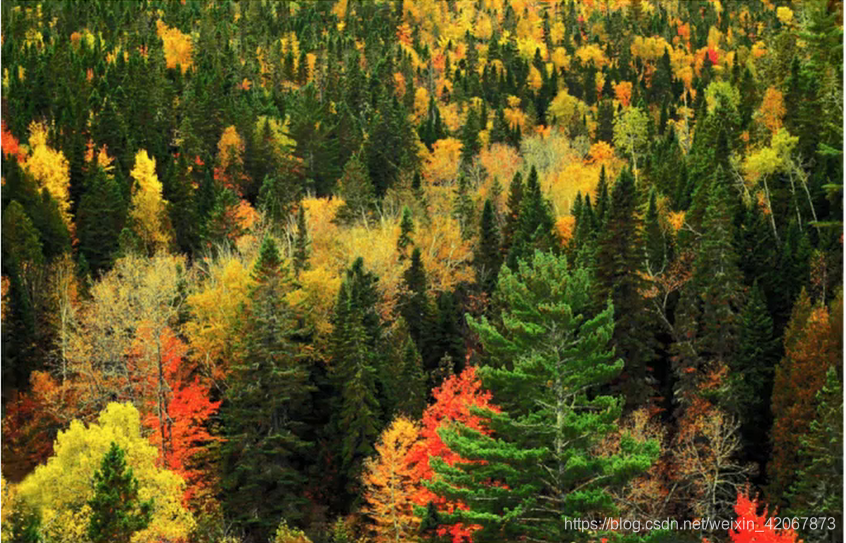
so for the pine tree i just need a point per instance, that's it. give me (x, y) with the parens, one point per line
(708, 312)
(265, 403)
(752, 374)
(415, 306)
(116, 510)
(619, 264)
(470, 137)
(656, 243)
(817, 490)
(536, 224)
(358, 416)
(488, 254)
(100, 219)
(515, 201)
(302, 244)
(549, 357)
(275, 199)
(603, 200)
(357, 191)
(406, 230)
(463, 209)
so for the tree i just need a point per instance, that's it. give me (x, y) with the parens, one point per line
(488, 255)
(415, 306)
(548, 356)
(389, 484)
(301, 244)
(708, 313)
(752, 374)
(463, 207)
(406, 230)
(454, 401)
(116, 511)
(356, 190)
(356, 334)
(536, 224)
(630, 134)
(812, 344)
(619, 271)
(61, 489)
(262, 414)
(821, 453)
(100, 219)
(754, 527)
(148, 210)
(515, 201)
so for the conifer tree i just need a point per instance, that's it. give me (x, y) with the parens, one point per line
(707, 317)
(302, 244)
(357, 191)
(406, 230)
(548, 358)
(100, 219)
(264, 407)
(488, 254)
(415, 306)
(463, 208)
(656, 243)
(817, 490)
(752, 374)
(619, 265)
(603, 200)
(358, 416)
(515, 201)
(470, 137)
(536, 224)
(116, 510)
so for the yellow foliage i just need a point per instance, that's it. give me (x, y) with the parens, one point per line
(421, 103)
(61, 488)
(565, 225)
(215, 309)
(148, 210)
(623, 92)
(49, 168)
(390, 484)
(593, 52)
(178, 47)
(720, 89)
(772, 109)
(535, 80)
(560, 58)
(772, 159)
(784, 14)
(442, 164)
(649, 48)
(567, 109)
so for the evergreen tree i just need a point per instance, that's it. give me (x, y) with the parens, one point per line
(548, 359)
(415, 306)
(515, 201)
(656, 243)
(302, 243)
(265, 451)
(356, 334)
(488, 254)
(406, 230)
(710, 303)
(817, 490)
(470, 144)
(357, 191)
(116, 510)
(619, 264)
(603, 200)
(100, 220)
(275, 199)
(536, 224)
(463, 209)
(752, 375)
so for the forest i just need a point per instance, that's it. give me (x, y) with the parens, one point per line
(422, 271)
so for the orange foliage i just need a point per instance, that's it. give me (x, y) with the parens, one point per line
(453, 400)
(181, 434)
(442, 164)
(623, 92)
(177, 46)
(772, 109)
(10, 144)
(750, 527)
(390, 483)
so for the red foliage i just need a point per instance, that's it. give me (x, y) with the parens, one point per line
(750, 527)
(10, 144)
(453, 400)
(188, 409)
(27, 431)
(713, 56)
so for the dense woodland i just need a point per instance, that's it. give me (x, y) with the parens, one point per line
(420, 270)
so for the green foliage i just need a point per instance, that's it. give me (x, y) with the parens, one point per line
(548, 357)
(116, 511)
